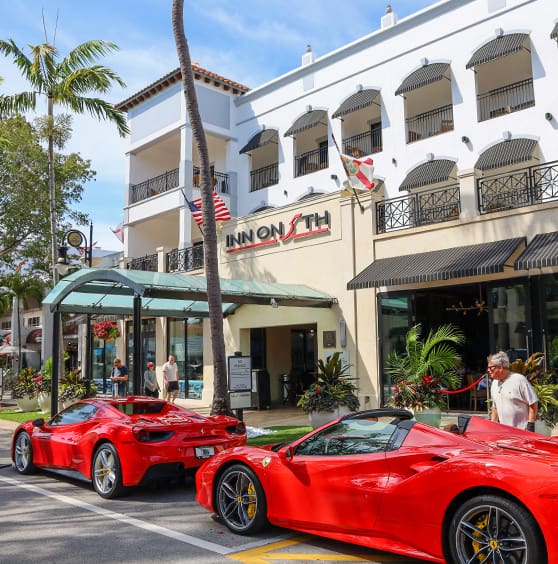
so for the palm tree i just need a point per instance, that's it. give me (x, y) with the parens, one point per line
(220, 400)
(68, 82)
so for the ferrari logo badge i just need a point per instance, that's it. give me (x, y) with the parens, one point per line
(266, 461)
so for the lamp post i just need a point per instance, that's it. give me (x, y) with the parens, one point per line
(76, 239)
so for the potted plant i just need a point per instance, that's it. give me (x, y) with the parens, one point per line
(422, 373)
(24, 390)
(106, 330)
(332, 395)
(43, 386)
(73, 388)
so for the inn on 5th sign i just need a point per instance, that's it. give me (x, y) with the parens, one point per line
(308, 225)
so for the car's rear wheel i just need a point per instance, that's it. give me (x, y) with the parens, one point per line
(23, 454)
(490, 528)
(107, 472)
(240, 500)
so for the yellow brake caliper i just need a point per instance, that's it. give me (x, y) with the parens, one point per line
(252, 506)
(481, 524)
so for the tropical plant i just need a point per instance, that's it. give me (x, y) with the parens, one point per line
(67, 82)
(425, 369)
(332, 388)
(220, 404)
(24, 385)
(74, 387)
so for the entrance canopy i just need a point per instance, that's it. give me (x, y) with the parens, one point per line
(112, 291)
(540, 252)
(457, 262)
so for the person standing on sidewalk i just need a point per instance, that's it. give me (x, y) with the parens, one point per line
(170, 379)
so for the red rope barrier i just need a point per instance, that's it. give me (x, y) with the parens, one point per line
(461, 390)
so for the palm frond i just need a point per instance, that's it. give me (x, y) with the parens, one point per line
(100, 109)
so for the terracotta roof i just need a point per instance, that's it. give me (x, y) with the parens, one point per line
(200, 74)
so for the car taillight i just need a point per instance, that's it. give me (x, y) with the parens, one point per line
(140, 434)
(145, 436)
(238, 429)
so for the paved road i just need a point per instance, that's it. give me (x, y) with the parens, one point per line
(48, 519)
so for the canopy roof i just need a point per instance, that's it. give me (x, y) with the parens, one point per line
(112, 291)
(430, 172)
(497, 48)
(307, 121)
(507, 153)
(357, 101)
(423, 76)
(262, 138)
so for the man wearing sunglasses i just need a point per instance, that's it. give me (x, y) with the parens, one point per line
(514, 401)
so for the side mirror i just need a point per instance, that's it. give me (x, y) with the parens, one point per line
(286, 453)
(38, 422)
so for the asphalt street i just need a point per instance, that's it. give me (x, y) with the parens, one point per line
(48, 519)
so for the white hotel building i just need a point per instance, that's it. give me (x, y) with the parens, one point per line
(456, 104)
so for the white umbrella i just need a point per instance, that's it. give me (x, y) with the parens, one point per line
(13, 349)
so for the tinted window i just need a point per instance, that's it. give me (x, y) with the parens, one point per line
(352, 436)
(139, 408)
(76, 413)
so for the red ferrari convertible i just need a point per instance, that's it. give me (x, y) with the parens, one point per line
(120, 442)
(483, 492)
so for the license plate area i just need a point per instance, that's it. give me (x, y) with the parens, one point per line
(204, 451)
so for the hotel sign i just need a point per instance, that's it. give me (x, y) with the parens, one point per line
(299, 226)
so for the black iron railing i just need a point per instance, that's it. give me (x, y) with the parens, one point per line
(414, 210)
(147, 263)
(363, 144)
(219, 180)
(153, 186)
(185, 260)
(429, 123)
(311, 161)
(264, 177)
(518, 188)
(506, 100)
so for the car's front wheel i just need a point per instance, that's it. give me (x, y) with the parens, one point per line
(490, 528)
(107, 472)
(23, 454)
(240, 500)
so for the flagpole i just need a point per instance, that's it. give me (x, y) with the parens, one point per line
(347, 174)
(190, 207)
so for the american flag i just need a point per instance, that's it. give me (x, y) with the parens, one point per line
(221, 211)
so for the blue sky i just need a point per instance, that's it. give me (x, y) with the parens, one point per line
(249, 41)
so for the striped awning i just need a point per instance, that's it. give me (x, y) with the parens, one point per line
(554, 33)
(308, 120)
(431, 172)
(357, 101)
(497, 48)
(541, 251)
(423, 76)
(506, 153)
(262, 138)
(457, 262)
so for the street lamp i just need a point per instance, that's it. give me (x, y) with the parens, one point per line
(76, 239)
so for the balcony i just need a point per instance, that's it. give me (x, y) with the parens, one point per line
(429, 124)
(311, 161)
(147, 263)
(157, 185)
(415, 210)
(518, 188)
(185, 260)
(363, 144)
(264, 177)
(506, 100)
(219, 180)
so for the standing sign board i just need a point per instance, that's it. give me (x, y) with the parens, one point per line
(240, 381)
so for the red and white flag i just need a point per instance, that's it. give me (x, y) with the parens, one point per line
(119, 232)
(222, 213)
(360, 171)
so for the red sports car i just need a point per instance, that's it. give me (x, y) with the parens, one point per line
(482, 492)
(120, 442)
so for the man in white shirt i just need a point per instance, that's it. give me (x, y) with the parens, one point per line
(170, 379)
(514, 401)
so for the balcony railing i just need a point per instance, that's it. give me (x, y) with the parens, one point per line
(419, 209)
(310, 162)
(363, 144)
(518, 188)
(185, 260)
(219, 180)
(153, 186)
(506, 100)
(429, 123)
(147, 263)
(264, 177)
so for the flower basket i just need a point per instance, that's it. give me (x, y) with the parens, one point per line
(106, 330)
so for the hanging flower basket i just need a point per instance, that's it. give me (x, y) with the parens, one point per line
(106, 330)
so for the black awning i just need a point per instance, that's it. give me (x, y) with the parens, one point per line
(541, 251)
(457, 262)
(506, 153)
(423, 76)
(261, 138)
(308, 120)
(431, 172)
(356, 102)
(497, 48)
(554, 33)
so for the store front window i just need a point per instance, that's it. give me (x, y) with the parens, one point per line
(550, 306)
(185, 342)
(147, 347)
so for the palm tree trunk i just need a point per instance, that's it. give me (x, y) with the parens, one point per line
(52, 190)
(220, 397)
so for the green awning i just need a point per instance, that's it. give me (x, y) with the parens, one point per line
(497, 48)
(357, 101)
(423, 76)
(307, 121)
(262, 138)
